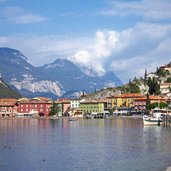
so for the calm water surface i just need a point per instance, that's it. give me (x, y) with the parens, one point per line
(83, 145)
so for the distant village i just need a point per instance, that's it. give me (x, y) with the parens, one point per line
(118, 104)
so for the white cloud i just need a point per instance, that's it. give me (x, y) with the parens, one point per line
(126, 52)
(152, 10)
(18, 15)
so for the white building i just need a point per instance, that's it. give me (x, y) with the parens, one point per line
(165, 88)
(75, 103)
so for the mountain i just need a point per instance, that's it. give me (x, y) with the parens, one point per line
(7, 92)
(59, 78)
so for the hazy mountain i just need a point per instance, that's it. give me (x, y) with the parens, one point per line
(51, 80)
(7, 92)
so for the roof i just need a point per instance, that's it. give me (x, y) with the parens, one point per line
(63, 99)
(8, 102)
(140, 99)
(152, 97)
(35, 100)
(94, 101)
(129, 95)
(165, 84)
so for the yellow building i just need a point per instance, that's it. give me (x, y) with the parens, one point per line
(92, 106)
(122, 100)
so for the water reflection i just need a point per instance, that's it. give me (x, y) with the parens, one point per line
(92, 144)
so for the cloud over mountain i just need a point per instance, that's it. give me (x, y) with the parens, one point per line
(121, 36)
(145, 46)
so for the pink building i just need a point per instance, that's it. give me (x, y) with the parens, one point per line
(65, 105)
(41, 105)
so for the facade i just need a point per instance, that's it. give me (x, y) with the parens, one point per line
(8, 106)
(165, 88)
(123, 100)
(40, 105)
(75, 103)
(166, 67)
(140, 104)
(157, 99)
(89, 107)
(64, 106)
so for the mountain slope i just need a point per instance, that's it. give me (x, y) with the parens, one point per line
(7, 92)
(51, 80)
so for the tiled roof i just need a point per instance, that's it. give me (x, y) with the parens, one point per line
(140, 99)
(8, 102)
(129, 95)
(156, 97)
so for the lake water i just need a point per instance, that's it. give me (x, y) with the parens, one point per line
(83, 145)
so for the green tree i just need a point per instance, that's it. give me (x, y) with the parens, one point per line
(134, 89)
(53, 109)
(148, 103)
(168, 80)
(154, 87)
(145, 75)
(160, 105)
(161, 72)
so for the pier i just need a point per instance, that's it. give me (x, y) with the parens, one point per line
(166, 120)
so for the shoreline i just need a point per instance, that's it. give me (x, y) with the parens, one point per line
(113, 117)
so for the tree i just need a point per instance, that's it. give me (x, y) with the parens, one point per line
(145, 75)
(168, 80)
(161, 72)
(148, 103)
(53, 109)
(154, 87)
(160, 105)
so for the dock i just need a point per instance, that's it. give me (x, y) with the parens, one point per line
(166, 121)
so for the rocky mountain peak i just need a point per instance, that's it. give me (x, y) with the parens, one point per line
(59, 78)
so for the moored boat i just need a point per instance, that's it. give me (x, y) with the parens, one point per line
(149, 121)
(154, 119)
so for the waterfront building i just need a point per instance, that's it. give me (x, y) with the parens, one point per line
(64, 106)
(75, 103)
(157, 99)
(41, 105)
(8, 106)
(122, 100)
(140, 104)
(96, 106)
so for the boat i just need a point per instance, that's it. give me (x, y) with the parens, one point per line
(154, 119)
(149, 121)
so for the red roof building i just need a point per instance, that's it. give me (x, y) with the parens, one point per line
(8, 106)
(40, 105)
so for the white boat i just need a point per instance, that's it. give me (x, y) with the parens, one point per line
(154, 119)
(149, 121)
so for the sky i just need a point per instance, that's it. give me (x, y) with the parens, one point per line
(123, 36)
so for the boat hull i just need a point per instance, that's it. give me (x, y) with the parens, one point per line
(151, 122)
